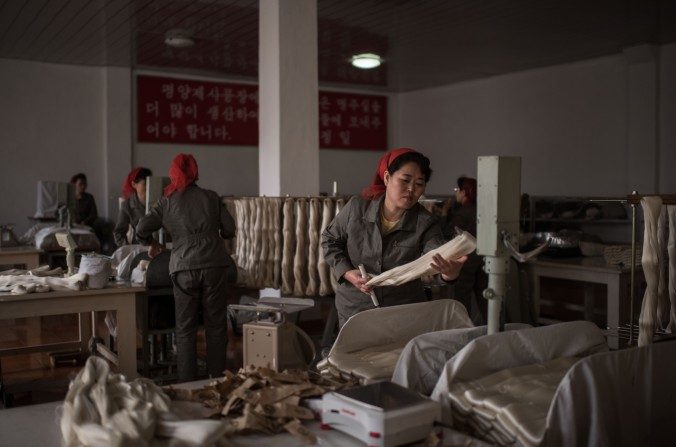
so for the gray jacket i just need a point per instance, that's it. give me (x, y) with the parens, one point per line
(198, 222)
(354, 238)
(131, 212)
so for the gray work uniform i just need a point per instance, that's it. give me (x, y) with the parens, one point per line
(131, 212)
(198, 222)
(354, 237)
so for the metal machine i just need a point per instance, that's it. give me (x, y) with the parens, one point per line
(271, 341)
(382, 414)
(498, 205)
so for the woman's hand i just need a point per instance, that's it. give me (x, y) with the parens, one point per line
(354, 276)
(155, 249)
(449, 268)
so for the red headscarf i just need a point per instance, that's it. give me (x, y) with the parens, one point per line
(377, 186)
(183, 172)
(127, 188)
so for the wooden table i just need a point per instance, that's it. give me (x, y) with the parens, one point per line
(591, 270)
(118, 297)
(25, 255)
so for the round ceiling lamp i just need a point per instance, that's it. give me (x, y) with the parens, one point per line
(366, 60)
(178, 38)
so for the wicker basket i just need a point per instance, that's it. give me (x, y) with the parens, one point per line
(621, 254)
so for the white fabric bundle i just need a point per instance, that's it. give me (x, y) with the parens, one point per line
(23, 284)
(123, 257)
(300, 259)
(671, 284)
(663, 304)
(103, 409)
(277, 252)
(649, 260)
(97, 268)
(313, 244)
(423, 359)
(459, 246)
(289, 247)
(262, 272)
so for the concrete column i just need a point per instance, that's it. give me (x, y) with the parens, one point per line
(288, 153)
(642, 125)
(118, 136)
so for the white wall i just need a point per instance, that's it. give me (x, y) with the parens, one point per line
(667, 123)
(50, 128)
(567, 123)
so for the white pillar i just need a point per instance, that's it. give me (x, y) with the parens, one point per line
(117, 156)
(288, 153)
(642, 130)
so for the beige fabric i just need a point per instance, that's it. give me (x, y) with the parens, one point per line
(509, 406)
(277, 237)
(322, 267)
(650, 262)
(300, 258)
(23, 284)
(103, 409)
(289, 247)
(369, 344)
(459, 246)
(493, 353)
(340, 203)
(313, 244)
(264, 232)
(671, 249)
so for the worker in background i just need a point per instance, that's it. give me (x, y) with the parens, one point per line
(133, 207)
(472, 279)
(198, 222)
(85, 205)
(384, 228)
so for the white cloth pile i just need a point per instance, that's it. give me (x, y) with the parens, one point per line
(658, 310)
(97, 268)
(40, 280)
(278, 243)
(123, 257)
(43, 236)
(457, 247)
(104, 409)
(500, 386)
(424, 357)
(369, 344)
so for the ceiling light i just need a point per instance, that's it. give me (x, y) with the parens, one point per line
(178, 38)
(366, 60)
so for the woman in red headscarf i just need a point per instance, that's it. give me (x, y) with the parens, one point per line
(384, 228)
(198, 222)
(133, 207)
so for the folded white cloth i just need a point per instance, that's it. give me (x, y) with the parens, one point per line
(459, 246)
(22, 284)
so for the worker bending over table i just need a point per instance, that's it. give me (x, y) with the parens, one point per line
(384, 228)
(198, 222)
(134, 206)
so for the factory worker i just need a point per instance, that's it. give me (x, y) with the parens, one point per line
(472, 279)
(133, 207)
(198, 222)
(384, 228)
(85, 205)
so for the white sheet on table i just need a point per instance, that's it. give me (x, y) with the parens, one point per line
(423, 358)
(369, 344)
(618, 398)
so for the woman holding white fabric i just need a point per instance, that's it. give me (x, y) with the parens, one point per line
(383, 229)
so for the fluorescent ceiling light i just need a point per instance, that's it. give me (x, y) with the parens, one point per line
(178, 38)
(366, 60)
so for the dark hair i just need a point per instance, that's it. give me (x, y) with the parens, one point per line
(415, 157)
(78, 176)
(142, 174)
(468, 186)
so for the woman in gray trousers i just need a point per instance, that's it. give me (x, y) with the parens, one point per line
(198, 222)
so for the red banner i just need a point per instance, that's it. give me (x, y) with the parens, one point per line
(200, 112)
